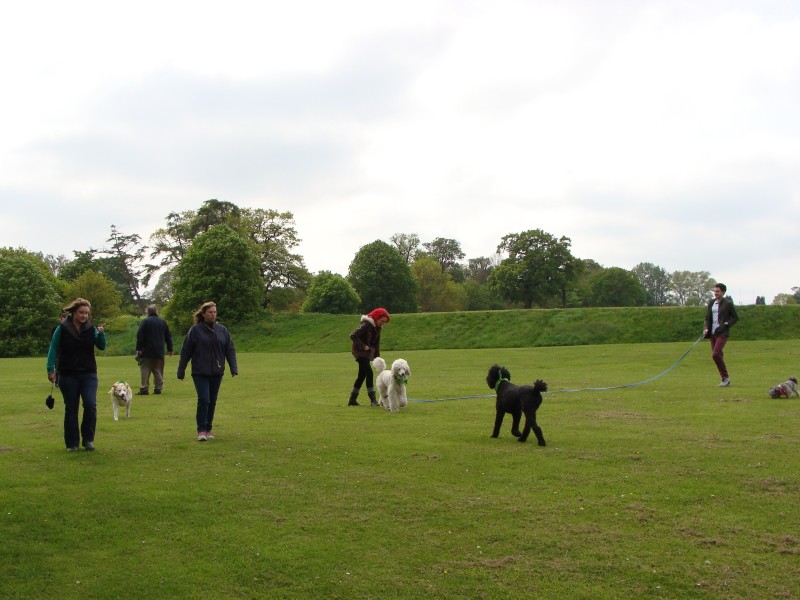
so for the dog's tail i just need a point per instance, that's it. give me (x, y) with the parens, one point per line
(540, 386)
(379, 364)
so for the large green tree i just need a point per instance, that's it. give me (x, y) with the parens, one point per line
(100, 291)
(691, 288)
(437, 292)
(537, 270)
(220, 266)
(382, 277)
(331, 293)
(272, 235)
(30, 303)
(616, 287)
(656, 283)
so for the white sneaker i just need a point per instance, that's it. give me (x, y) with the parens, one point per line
(201, 436)
(726, 381)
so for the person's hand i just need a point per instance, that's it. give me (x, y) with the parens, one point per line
(51, 377)
(170, 352)
(101, 328)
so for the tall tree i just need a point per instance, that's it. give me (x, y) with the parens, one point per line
(479, 269)
(538, 268)
(655, 281)
(219, 266)
(437, 292)
(407, 245)
(30, 303)
(447, 252)
(271, 233)
(127, 253)
(691, 288)
(382, 277)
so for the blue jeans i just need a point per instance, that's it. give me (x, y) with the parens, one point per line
(74, 387)
(207, 391)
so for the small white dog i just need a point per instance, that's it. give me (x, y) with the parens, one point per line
(121, 395)
(392, 383)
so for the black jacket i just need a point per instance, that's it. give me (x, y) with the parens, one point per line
(152, 335)
(727, 317)
(208, 347)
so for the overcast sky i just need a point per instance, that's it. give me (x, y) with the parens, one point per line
(662, 131)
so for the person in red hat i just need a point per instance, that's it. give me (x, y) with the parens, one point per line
(366, 340)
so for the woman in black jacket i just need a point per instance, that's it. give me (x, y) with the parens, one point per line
(208, 345)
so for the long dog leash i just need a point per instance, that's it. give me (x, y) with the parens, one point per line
(587, 389)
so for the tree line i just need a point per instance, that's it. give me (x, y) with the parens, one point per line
(245, 260)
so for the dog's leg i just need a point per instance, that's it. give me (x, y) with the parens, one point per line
(116, 409)
(128, 410)
(498, 421)
(530, 424)
(516, 416)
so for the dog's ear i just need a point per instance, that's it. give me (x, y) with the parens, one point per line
(505, 373)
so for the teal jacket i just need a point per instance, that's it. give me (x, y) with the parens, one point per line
(54, 354)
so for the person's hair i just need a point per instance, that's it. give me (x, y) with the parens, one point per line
(721, 286)
(76, 304)
(198, 315)
(152, 310)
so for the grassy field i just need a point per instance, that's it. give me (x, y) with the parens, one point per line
(673, 489)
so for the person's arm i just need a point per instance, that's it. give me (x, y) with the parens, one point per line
(732, 317)
(230, 355)
(100, 337)
(168, 338)
(186, 354)
(52, 354)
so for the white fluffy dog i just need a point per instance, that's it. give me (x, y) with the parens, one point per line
(392, 383)
(121, 395)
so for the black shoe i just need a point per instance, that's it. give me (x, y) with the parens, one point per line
(156, 391)
(142, 392)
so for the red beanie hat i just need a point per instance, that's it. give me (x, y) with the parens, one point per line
(378, 313)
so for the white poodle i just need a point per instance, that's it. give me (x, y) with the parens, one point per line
(392, 383)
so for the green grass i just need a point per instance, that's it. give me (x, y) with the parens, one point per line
(674, 489)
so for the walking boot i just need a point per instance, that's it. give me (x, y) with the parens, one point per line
(372, 400)
(142, 392)
(353, 396)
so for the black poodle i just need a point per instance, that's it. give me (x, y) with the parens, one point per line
(515, 400)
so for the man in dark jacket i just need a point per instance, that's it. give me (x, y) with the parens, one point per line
(153, 334)
(720, 317)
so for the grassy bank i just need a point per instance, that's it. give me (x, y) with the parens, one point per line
(491, 329)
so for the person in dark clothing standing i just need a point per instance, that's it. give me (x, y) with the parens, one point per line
(208, 345)
(720, 317)
(153, 334)
(72, 366)
(366, 340)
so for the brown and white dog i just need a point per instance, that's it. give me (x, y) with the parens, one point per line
(785, 389)
(121, 395)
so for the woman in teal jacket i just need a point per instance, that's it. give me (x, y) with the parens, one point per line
(72, 366)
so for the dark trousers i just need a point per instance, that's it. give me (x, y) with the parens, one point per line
(364, 372)
(717, 344)
(75, 387)
(207, 388)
